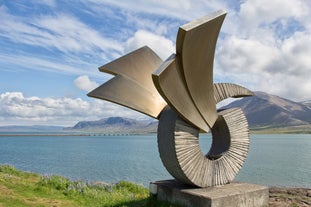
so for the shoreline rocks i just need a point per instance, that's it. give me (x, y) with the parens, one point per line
(289, 197)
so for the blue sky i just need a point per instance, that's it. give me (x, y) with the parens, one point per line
(50, 50)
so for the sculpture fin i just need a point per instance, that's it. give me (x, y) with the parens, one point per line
(229, 90)
(133, 87)
(126, 92)
(170, 84)
(195, 46)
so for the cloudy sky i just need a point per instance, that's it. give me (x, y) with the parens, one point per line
(50, 50)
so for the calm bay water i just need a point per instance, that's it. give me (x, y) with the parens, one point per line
(274, 160)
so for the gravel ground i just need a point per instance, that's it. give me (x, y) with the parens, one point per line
(290, 197)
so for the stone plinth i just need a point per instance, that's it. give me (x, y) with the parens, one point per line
(234, 194)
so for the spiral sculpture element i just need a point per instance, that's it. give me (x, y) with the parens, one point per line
(180, 93)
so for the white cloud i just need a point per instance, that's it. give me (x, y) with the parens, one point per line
(17, 109)
(63, 32)
(50, 3)
(269, 48)
(244, 55)
(261, 47)
(181, 9)
(69, 34)
(257, 12)
(161, 45)
(84, 83)
(67, 45)
(282, 69)
(24, 61)
(157, 26)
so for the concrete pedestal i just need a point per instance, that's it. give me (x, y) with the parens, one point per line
(234, 194)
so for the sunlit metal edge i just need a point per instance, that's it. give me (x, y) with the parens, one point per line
(195, 53)
(229, 90)
(123, 91)
(137, 65)
(168, 81)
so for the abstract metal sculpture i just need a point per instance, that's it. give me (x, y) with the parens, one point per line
(180, 93)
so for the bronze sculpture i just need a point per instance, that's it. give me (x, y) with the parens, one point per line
(180, 93)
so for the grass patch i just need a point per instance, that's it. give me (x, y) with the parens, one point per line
(20, 189)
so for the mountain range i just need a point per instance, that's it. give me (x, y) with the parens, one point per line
(307, 103)
(116, 125)
(262, 111)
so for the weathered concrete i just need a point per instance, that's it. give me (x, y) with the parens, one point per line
(233, 194)
(181, 154)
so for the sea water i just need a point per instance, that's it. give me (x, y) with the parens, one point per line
(273, 159)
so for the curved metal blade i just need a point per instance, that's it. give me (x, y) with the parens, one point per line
(230, 90)
(137, 65)
(124, 91)
(170, 84)
(196, 42)
(133, 86)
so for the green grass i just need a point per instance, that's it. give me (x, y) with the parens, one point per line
(20, 189)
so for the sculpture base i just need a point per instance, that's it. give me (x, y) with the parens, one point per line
(233, 194)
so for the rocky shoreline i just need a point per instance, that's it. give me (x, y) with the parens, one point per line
(289, 197)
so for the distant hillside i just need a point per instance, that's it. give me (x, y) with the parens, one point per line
(114, 125)
(307, 103)
(264, 109)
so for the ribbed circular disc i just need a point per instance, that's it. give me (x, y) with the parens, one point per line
(181, 154)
